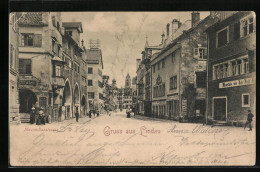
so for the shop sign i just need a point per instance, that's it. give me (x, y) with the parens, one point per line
(28, 82)
(184, 107)
(236, 83)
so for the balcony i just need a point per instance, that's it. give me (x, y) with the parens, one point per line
(58, 82)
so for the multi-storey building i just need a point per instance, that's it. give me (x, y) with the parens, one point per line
(49, 65)
(144, 78)
(179, 70)
(40, 61)
(73, 73)
(13, 67)
(231, 67)
(95, 86)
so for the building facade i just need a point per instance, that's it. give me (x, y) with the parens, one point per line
(179, 71)
(13, 68)
(49, 65)
(231, 67)
(94, 72)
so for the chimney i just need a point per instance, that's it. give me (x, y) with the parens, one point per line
(82, 43)
(195, 18)
(175, 25)
(163, 36)
(167, 30)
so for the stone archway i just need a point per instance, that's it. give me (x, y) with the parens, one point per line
(27, 99)
(67, 99)
(83, 104)
(76, 99)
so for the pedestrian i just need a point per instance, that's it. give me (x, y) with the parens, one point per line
(43, 116)
(249, 120)
(77, 115)
(32, 115)
(97, 113)
(89, 114)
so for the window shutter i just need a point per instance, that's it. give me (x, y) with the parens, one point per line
(251, 59)
(205, 53)
(196, 53)
(236, 31)
(38, 40)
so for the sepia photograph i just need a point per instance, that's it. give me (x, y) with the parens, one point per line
(164, 88)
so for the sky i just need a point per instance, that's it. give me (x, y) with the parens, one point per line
(122, 36)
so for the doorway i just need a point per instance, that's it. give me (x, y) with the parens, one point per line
(27, 99)
(220, 108)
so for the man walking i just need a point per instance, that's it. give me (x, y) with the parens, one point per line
(77, 115)
(249, 120)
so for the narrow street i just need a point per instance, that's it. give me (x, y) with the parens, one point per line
(117, 140)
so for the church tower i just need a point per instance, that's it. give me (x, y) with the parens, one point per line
(128, 81)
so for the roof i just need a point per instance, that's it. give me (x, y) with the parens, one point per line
(77, 25)
(31, 18)
(94, 56)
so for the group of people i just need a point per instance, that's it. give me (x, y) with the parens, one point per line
(94, 113)
(37, 117)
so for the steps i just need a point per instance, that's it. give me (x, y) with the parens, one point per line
(25, 117)
(219, 123)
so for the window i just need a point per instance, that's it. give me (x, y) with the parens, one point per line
(247, 26)
(234, 68)
(25, 66)
(173, 57)
(202, 53)
(231, 68)
(31, 40)
(173, 82)
(163, 63)
(57, 71)
(201, 79)
(225, 70)
(90, 70)
(239, 67)
(91, 95)
(246, 66)
(246, 100)
(90, 82)
(222, 37)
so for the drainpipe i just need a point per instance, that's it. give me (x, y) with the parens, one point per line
(207, 89)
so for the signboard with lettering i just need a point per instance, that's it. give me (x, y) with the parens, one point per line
(236, 83)
(28, 82)
(184, 107)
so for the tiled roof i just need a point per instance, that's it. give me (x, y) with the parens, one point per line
(31, 18)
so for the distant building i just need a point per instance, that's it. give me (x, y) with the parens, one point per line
(13, 68)
(232, 67)
(95, 84)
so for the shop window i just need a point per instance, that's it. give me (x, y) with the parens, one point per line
(246, 100)
(222, 37)
(25, 66)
